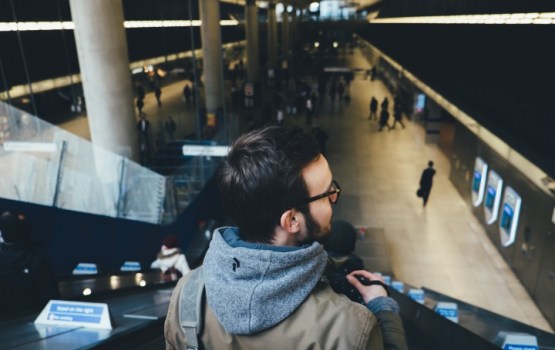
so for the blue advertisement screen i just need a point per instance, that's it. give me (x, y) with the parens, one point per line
(476, 181)
(490, 197)
(507, 217)
(420, 102)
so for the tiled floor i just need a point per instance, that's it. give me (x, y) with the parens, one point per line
(442, 247)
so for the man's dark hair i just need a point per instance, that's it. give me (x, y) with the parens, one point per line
(261, 178)
(430, 163)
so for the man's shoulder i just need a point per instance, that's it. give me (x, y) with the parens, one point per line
(331, 307)
(324, 318)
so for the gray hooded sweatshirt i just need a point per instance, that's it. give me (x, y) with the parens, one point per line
(251, 287)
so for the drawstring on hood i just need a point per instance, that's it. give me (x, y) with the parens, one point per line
(254, 288)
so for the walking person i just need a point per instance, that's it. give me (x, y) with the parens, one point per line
(187, 93)
(341, 90)
(140, 92)
(384, 117)
(158, 94)
(426, 182)
(385, 103)
(373, 73)
(143, 126)
(397, 117)
(170, 127)
(140, 105)
(373, 109)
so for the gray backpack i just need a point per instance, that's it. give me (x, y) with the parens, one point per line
(190, 309)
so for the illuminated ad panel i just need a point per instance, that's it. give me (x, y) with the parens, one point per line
(479, 181)
(509, 216)
(419, 103)
(493, 196)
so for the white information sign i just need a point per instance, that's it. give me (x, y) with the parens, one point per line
(17, 146)
(71, 314)
(208, 151)
(516, 341)
(448, 310)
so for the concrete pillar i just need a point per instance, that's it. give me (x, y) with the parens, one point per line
(252, 40)
(212, 55)
(285, 30)
(272, 35)
(104, 62)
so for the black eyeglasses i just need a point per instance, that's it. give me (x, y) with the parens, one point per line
(332, 194)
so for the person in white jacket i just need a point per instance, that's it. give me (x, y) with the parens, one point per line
(171, 260)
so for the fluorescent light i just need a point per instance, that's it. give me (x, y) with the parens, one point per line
(137, 66)
(501, 18)
(36, 26)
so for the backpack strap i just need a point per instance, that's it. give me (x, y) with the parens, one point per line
(190, 307)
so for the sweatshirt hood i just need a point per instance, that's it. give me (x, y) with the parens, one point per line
(252, 287)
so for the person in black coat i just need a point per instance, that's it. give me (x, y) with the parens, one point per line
(397, 116)
(384, 117)
(373, 108)
(158, 94)
(385, 104)
(426, 182)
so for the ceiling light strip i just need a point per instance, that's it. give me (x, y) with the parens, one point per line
(68, 25)
(501, 18)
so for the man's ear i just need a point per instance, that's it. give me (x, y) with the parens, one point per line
(290, 221)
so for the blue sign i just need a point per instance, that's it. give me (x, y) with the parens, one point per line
(519, 347)
(85, 269)
(386, 279)
(448, 312)
(131, 266)
(416, 295)
(398, 286)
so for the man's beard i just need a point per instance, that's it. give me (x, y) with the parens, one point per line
(315, 232)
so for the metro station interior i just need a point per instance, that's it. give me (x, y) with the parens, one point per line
(472, 82)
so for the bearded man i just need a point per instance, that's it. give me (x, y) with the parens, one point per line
(263, 277)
